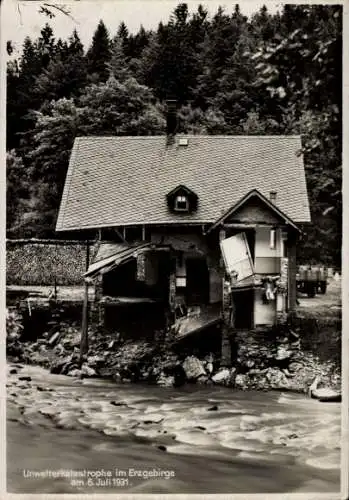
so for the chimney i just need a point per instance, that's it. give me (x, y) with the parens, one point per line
(171, 118)
(272, 196)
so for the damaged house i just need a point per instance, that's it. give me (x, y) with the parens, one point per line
(192, 230)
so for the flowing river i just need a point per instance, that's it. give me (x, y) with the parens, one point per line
(99, 437)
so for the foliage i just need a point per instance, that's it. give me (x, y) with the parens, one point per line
(268, 74)
(98, 55)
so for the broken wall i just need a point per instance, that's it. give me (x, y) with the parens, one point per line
(191, 244)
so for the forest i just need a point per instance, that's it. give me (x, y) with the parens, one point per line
(266, 74)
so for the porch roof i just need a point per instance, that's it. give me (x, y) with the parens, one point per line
(111, 255)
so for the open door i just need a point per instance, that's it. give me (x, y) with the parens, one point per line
(237, 256)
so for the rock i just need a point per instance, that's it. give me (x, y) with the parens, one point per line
(287, 373)
(118, 403)
(213, 408)
(95, 360)
(276, 378)
(75, 372)
(203, 379)
(209, 367)
(250, 363)
(222, 376)
(193, 368)
(162, 447)
(241, 381)
(26, 378)
(168, 381)
(69, 367)
(58, 364)
(283, 354)
(295, 366)
(87, 371)
(13, 371)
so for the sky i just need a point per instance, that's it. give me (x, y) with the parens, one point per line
(22, 18)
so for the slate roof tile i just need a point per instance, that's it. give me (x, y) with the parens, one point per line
(115, 181)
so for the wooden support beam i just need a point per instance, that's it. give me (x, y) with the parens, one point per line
(84, 329)
(247, 225)
(292, 271)
(121, 236)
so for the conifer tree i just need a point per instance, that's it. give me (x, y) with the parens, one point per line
(98, 55)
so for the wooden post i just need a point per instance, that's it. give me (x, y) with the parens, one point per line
(292, 271)
(227, 314)
(84, 329)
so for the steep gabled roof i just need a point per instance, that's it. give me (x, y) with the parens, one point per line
(114, 181)
(254, 193)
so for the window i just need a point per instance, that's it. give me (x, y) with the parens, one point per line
(181, 204)
(182, 199)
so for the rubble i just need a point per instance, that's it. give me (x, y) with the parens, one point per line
(264, 360)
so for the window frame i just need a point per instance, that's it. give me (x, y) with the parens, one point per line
(181, 198)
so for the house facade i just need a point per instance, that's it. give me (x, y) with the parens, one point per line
(201, 228)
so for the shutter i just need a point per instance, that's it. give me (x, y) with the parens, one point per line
(237, 257)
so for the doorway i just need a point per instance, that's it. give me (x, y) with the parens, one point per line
(244, 309)
(197, 289)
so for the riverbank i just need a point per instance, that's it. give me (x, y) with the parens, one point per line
(246, 442)
(282, 359)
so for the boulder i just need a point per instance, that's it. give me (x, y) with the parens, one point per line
(75, 372)
(87, 371)
(164, 381)
(193, 368)
(58, 364)
(241, 381)
(276, 378)
(222, 376)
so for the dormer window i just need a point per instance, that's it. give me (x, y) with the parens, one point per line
(182, 199)
(181, 203)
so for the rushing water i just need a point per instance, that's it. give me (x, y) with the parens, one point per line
(197, 440)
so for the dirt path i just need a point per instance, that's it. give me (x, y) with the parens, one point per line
(322, 306)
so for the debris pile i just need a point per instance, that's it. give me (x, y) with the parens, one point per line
(267, 360)
(264, 360)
